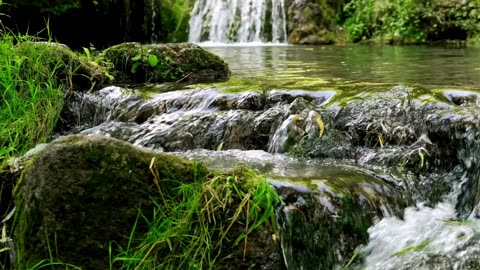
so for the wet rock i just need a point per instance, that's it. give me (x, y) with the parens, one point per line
(310, 22)
(419, 131)
(265, 125)
(461, 97)
(176, 62)
(276, 98)
(225, 102)
(67, 194)
(250, 101)
(299, 106)
(324, 220)
(288, 134)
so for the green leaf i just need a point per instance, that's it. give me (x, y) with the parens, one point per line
(422, 245)
(87, 52)
(422, 158)
(135, 67)
(152, 60)
(320, 123)
(136, 58)
(110, 76)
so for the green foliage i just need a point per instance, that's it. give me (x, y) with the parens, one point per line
(174, 15)
(30, 97)
(90, 55)
(392, 20)
(56, 7)
(409, 21)
(149, 61)
(197, 224)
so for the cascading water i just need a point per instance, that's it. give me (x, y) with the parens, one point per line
(239, 21)
(389, 180)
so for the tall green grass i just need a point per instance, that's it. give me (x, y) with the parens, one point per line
(197, 225)
(30, 97)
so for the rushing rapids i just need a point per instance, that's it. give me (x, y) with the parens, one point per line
(388, 148)
(238, 21)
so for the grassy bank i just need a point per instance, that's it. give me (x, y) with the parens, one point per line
(31, 99)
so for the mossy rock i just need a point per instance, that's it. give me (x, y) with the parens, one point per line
(72, 71)
(79, 200)
(158, 63)
(82, 193)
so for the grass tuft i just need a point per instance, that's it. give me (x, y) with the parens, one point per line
(198, 224)
(30, 98)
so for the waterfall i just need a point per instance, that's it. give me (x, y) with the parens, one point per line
(228, 21)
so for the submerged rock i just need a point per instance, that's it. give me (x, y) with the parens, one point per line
(176, 62)
(81, 195)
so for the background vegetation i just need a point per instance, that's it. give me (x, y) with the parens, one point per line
(109, 22)
(411, 21)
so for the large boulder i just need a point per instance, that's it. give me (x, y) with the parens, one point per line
(157, 63)
(80, 197)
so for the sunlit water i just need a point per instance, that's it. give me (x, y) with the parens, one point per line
(437, 66)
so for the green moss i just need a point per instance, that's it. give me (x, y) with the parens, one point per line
(182, 62)
(90, 189)
(72, 71)
(82, 195)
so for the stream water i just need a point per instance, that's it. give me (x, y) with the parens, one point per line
(402, 161)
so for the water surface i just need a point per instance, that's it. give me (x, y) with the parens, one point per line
(327, 65)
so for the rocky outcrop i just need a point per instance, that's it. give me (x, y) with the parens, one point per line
(179, 62)
(309, 22)
(83, 196)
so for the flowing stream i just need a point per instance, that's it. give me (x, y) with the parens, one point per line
(374, 150)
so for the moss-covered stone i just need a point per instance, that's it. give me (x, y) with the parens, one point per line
(72, 71)
(79, 199)
(82, 193)
(179, 62)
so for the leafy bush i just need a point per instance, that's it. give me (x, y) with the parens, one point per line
(408, 21)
